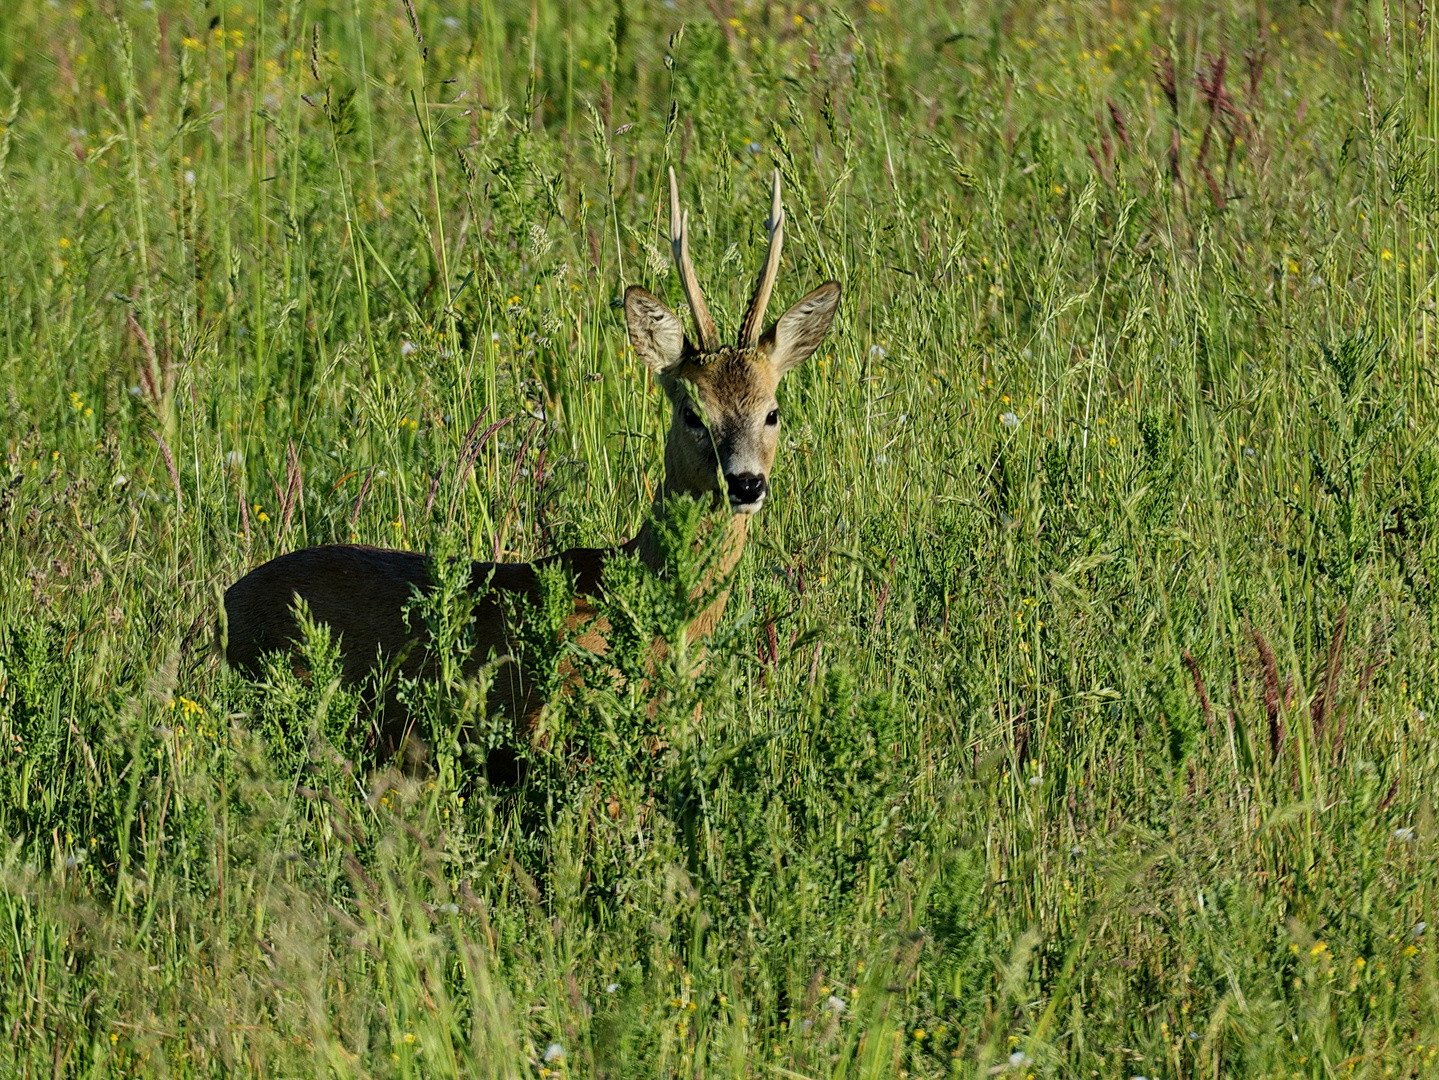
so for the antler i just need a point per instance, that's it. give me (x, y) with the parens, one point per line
(680, 244)
(754, 317)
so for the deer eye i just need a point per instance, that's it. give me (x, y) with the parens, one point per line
(772, 419)
(691, 418)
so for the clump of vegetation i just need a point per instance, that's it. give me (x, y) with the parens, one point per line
(1071, 712)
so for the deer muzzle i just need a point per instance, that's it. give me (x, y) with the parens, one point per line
(746, 491)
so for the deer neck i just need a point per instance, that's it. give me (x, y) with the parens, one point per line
(720, 570)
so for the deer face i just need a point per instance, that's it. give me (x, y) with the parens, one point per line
(724, 425)
(725, 421)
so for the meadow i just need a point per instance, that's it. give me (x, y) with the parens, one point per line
(1073, 714)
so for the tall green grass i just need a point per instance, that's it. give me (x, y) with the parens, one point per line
(1074, 712)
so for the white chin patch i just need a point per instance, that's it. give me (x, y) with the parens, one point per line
(746, 508)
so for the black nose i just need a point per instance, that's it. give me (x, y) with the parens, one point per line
(746, 487)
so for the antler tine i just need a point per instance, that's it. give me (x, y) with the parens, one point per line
(680, 244)
(754, 317)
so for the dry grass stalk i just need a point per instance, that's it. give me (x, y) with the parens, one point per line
(1193, 666)
(169, 460)
(1269, 674)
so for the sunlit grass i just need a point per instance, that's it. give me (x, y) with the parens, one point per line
(1073, 715)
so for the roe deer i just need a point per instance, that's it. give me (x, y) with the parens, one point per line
(723, 431)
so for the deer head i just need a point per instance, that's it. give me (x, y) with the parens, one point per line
(724, 425)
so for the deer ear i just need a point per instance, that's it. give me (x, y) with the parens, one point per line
(789, 342)
(656, 332)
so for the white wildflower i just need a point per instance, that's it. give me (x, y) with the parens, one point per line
(554, 1052)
